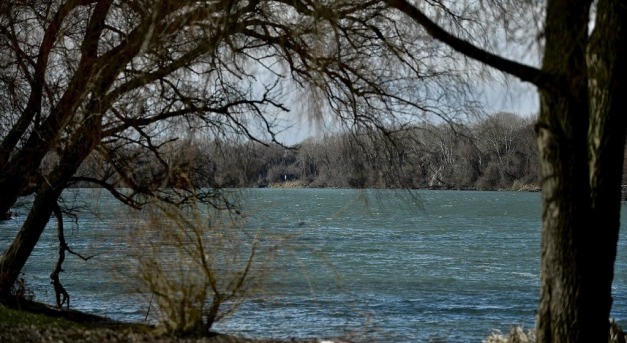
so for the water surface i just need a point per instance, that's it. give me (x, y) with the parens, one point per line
(388, 266)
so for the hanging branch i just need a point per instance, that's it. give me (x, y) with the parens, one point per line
(61, 294)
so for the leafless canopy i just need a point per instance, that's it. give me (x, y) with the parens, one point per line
(124, 79)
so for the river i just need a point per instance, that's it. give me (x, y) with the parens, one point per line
(377, 265)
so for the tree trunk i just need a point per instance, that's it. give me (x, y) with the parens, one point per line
(607, 53)
(15, 256)
(565, 308)
(12, 186)
(581, 138)
(565, 219)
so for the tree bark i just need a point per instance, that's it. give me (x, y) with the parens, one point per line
(607, 53)
(562, 145)
(15, 256)
(581, 137)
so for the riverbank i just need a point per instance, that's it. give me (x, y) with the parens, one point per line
(515, 187)
(36, 322)
(24, 326)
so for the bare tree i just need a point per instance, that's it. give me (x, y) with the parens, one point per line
(114, 84)
(499, 136)
(581, 137)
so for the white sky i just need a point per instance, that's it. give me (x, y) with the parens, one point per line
(516, 98)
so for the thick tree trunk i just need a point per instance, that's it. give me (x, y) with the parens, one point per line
(607, 53)
(565, 308)
(565, 219)
(15, 256)
(581, 137)
(12, 186)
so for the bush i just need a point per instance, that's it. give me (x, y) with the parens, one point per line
(197, 265)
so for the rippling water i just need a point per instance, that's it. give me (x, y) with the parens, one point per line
(385, 266)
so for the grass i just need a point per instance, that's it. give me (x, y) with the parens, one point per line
(41, 316)
(13, 317)
(36, 322)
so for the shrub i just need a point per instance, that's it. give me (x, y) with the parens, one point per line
(197, 265)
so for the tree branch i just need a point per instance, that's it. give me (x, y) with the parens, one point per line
(38, 79)
(110, 188)
(524, 72)
(61, 294)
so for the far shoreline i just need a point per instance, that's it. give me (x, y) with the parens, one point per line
(296, 184)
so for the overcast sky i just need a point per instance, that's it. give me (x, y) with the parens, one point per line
(515, 97)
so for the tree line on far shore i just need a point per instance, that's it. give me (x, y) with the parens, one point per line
(495, 152)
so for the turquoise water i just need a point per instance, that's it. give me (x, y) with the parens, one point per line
(387, 266)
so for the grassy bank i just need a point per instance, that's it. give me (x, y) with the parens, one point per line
(35, 322)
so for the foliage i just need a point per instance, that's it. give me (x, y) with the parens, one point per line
(124, 79)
